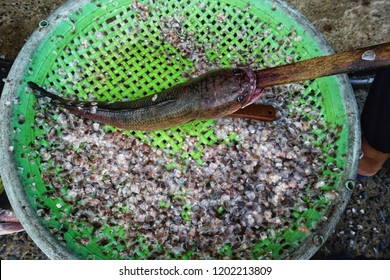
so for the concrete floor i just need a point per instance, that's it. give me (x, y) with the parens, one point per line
(364, 229)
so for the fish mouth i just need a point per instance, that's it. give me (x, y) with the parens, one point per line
(254, 93)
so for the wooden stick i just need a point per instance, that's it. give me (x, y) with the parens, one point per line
(256, 111)
(361, 59)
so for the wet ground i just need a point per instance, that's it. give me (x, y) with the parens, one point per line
(364, 229)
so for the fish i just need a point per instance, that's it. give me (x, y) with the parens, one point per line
(214, 94)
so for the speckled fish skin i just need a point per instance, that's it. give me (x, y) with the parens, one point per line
(214, 94)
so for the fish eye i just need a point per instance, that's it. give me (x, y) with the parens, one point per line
(238, 72)
(240, 98)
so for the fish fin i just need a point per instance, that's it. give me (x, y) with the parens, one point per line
(142, 103)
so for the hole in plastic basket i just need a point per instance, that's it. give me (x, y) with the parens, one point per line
(43, 23)
(318, 240)
(349, 184)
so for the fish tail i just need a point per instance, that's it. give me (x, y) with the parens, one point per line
(41, 92)
(87, 109)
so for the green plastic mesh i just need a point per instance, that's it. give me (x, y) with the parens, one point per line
(111, 50)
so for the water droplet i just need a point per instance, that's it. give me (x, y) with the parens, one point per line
(369, 55)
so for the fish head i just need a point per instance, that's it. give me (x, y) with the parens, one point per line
(229, 90)
(254, 93)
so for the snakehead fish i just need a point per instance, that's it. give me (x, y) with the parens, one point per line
(214, 94)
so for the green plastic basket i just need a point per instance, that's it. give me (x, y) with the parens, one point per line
(111, 50)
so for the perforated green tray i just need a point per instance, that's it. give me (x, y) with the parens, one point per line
(110, 50)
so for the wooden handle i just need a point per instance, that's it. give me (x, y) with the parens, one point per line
(256, 111)
(361, 59)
